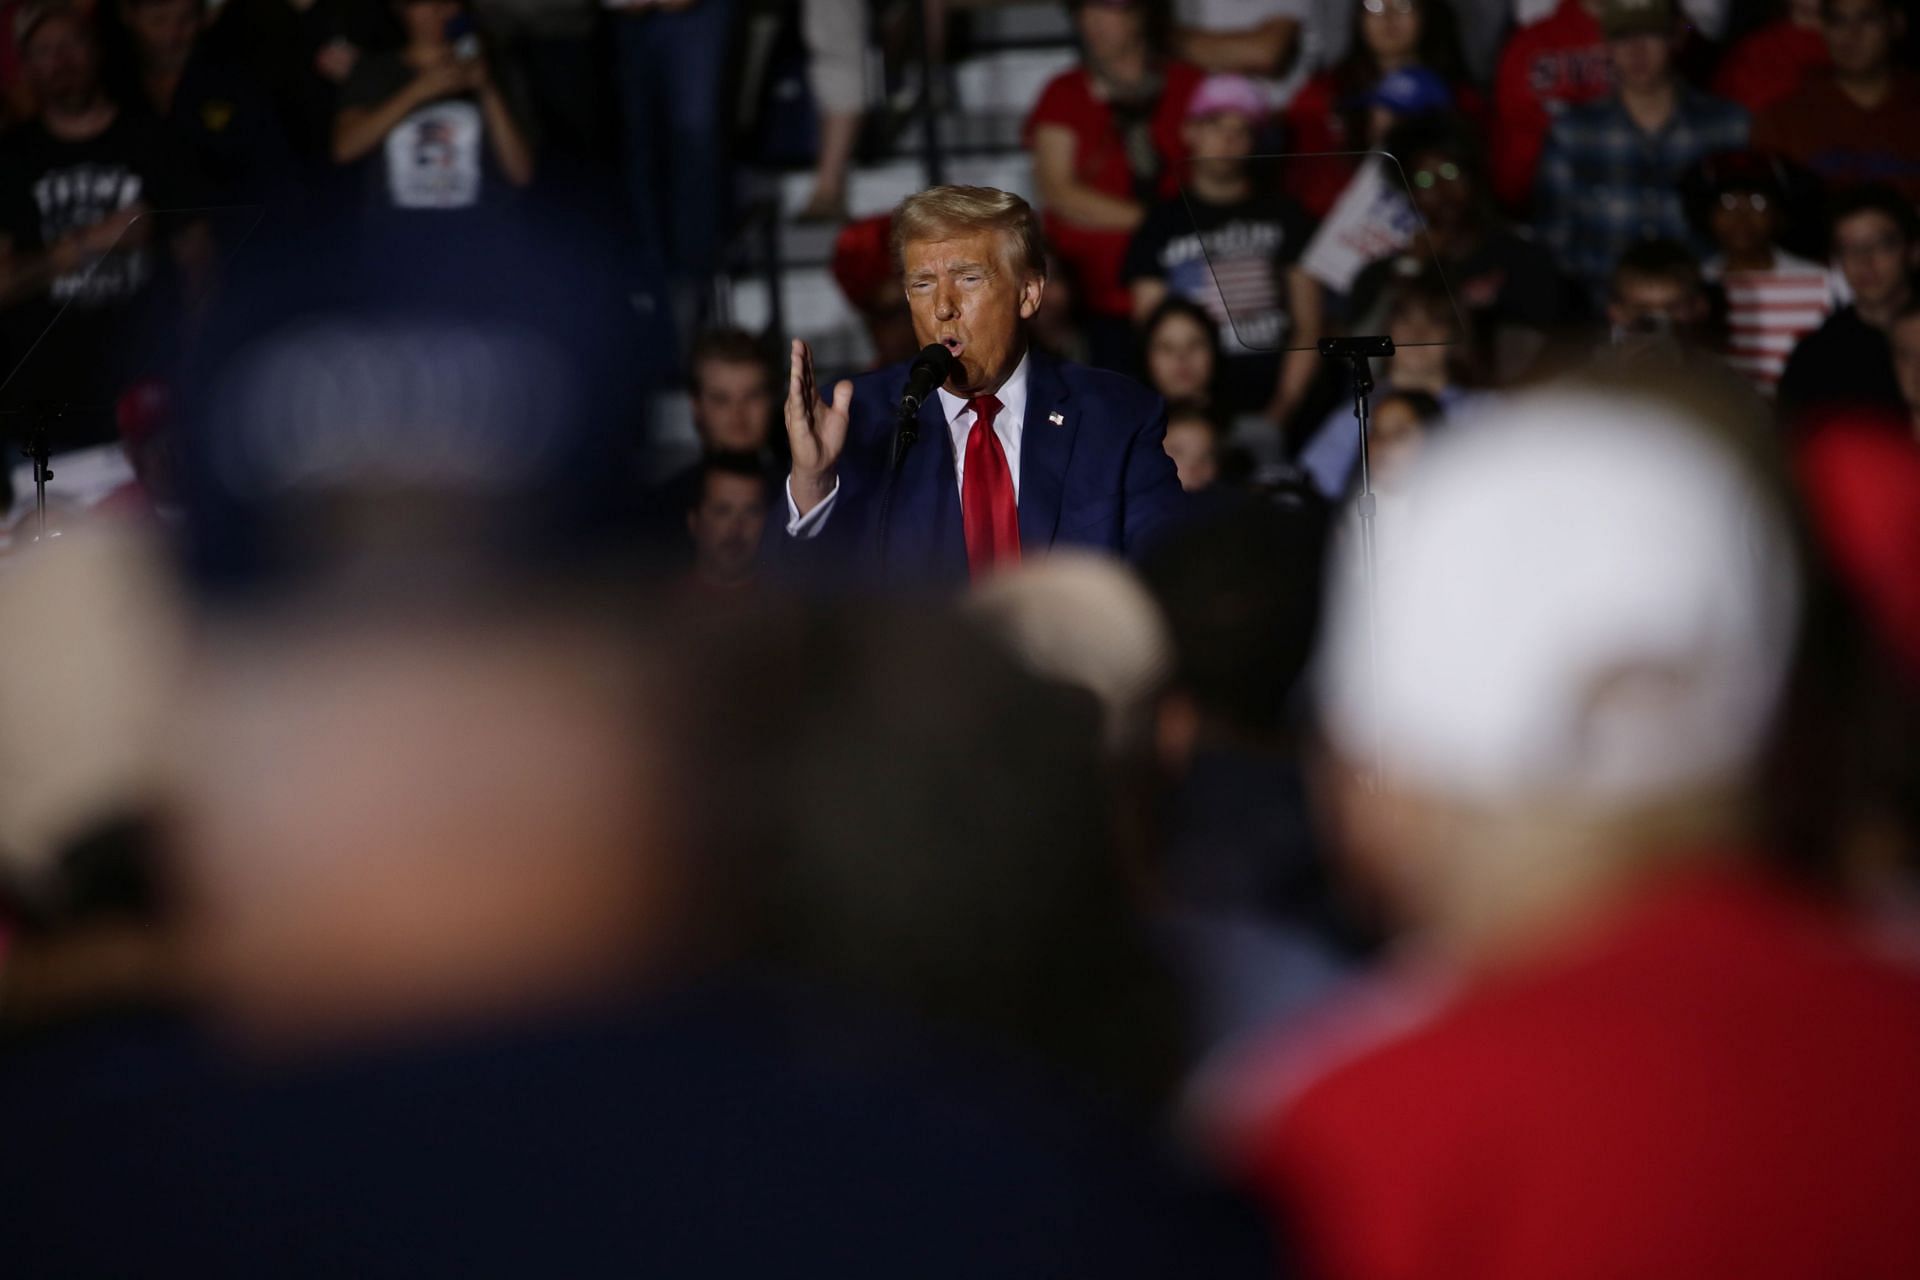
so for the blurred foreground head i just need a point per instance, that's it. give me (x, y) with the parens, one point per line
(916, 821)
(413, 782)
(1578, 657)
(1086, 621)
(1241, 592)
(386, 822)
(96, 647)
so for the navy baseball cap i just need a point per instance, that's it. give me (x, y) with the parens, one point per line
(415, 407)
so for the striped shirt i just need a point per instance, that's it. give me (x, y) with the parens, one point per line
(1768, 312)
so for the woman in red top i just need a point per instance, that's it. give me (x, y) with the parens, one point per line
(1328, 114)
(1106, 143)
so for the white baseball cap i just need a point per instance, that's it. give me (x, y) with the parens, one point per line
(1590, 599)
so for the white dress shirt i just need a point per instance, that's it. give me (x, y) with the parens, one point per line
(1008, 424)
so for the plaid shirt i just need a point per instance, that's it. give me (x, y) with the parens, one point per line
(1605, 184)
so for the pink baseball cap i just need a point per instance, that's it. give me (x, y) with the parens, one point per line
(1221, 94)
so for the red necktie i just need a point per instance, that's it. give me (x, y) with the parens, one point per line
(987, 509)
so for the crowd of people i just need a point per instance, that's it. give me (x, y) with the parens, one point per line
(1292, 173)
(1287, 168)
(1124, 823)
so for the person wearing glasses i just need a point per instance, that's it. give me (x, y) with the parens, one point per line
(1509, 293)
(1847, 363)
(1772, 298)
(1861, 121)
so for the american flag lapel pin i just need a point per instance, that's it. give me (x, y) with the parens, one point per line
(1057, 418)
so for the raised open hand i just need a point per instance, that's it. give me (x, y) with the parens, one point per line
(816, 432)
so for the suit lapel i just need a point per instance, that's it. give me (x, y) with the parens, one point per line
(1046, 444)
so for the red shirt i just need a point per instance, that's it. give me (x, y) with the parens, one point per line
(1100, 161)
(1558, 61)
(1770, 64)
(1820, 127)
(1315, 123)
(1722, 1081)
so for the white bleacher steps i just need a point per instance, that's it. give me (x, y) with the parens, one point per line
(1008, 80)
(670, 443)
(1021, 24)
(809, 296)
(878, 188)
(1016, 50)
(815, 310)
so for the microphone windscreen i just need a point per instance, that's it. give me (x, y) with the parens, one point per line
(936, 357)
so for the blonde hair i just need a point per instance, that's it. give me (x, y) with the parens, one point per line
(939, 213)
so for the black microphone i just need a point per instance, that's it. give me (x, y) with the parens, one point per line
(929, 369)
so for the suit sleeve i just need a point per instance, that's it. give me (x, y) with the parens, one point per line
(1153, 502)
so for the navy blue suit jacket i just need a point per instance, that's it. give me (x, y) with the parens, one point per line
(1099, 477)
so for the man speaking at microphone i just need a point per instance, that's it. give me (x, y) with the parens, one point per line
(1009, 452)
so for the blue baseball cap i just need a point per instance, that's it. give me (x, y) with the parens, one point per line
(1411, 91)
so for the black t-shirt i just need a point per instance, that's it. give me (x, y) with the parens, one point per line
(277, 42)
(225, 122)
(1245, 247)
(1845, 363)
(50, 188)
(437, 160)
(1232, 260)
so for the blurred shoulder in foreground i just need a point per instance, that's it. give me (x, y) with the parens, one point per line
(1626, 1043)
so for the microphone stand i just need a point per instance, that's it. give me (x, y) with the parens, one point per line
(40, 449)
(36, 445)
(906, 430)
(924, 376)
(1356, 352)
